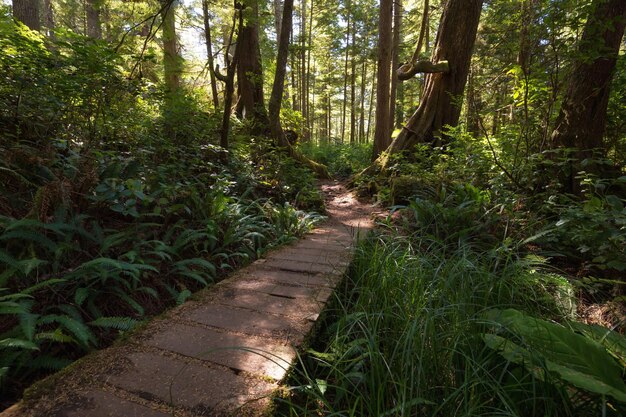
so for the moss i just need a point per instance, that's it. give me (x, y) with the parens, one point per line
(404, 187)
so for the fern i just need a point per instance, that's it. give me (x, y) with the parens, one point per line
(118, 323)
(48, 362)
(13, 343)
(47, 283)
(79, 331)
(57, 336)
(130, 301)
(183, 296)
(29, 236)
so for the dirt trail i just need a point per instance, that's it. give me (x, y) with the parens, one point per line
(222, 353)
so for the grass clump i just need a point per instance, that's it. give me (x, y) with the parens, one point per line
(439, 320)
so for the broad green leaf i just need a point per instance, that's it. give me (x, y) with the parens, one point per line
(614, 342)
(578, 360)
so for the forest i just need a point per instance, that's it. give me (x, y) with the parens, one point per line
(148, 148)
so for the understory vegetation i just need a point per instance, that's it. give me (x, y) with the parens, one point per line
(471, 298)
(150, 147)
(104, 220)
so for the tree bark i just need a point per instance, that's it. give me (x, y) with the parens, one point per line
(303, 71)
(48, 17)
(370, 108)
(209, 52)
(278, 11)
(345, 81)
(582, 120)
(383, 122)
(229, 78)
(395, 61)
(441, 103)
(250, 71)
(277, 94)
(362, 102)
(27, 12)
(308, 72)
(94, 25)
(172, 62)
(353, 86)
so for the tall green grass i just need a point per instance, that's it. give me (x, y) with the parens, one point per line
(409, 338)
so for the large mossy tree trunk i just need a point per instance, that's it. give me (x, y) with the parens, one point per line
(443, 91)
(582, 120)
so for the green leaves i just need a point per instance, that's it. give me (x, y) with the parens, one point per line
(541, 346)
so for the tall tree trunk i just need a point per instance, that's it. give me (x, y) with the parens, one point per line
(362, 102)
(278, 87)
(27, 12)
(383, 122)
(229, 78)
(281, 70)
(582, 120)
(172, 62)
(48, 17)
(441, 103)
(278, 11)
(308, 72)
(209, 52)
(94, 25)
(303, 70)
(371, 107)
(353, 87)
(472, 121)
(345, 81)
(329, 126)
(395, 61)
(250, 70)
(295, 102)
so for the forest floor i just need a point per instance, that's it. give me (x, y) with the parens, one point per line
(226, 350)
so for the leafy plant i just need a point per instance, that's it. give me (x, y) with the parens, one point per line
(547, 349)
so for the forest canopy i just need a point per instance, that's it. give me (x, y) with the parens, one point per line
(149, 147)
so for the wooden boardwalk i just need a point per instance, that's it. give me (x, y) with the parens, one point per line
(223, 353)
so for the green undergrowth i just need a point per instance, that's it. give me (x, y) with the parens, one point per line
(443, 315)
(146, 239)
(113, 206)
(342, 159)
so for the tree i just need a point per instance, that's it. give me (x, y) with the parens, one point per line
(27, 12)
(250, 70)
(172, 62)
(582, 120)
(229, 78)
(94, 26)
(209, 51)
(383, 121)
(278, 88)
(446, 77)
(395, 60)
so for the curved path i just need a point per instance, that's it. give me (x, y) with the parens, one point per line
(226, 351)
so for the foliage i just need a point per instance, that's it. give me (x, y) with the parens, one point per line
(593, 229)
(342, 160)
(547, 350)
(407, 339)
(115, 206)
